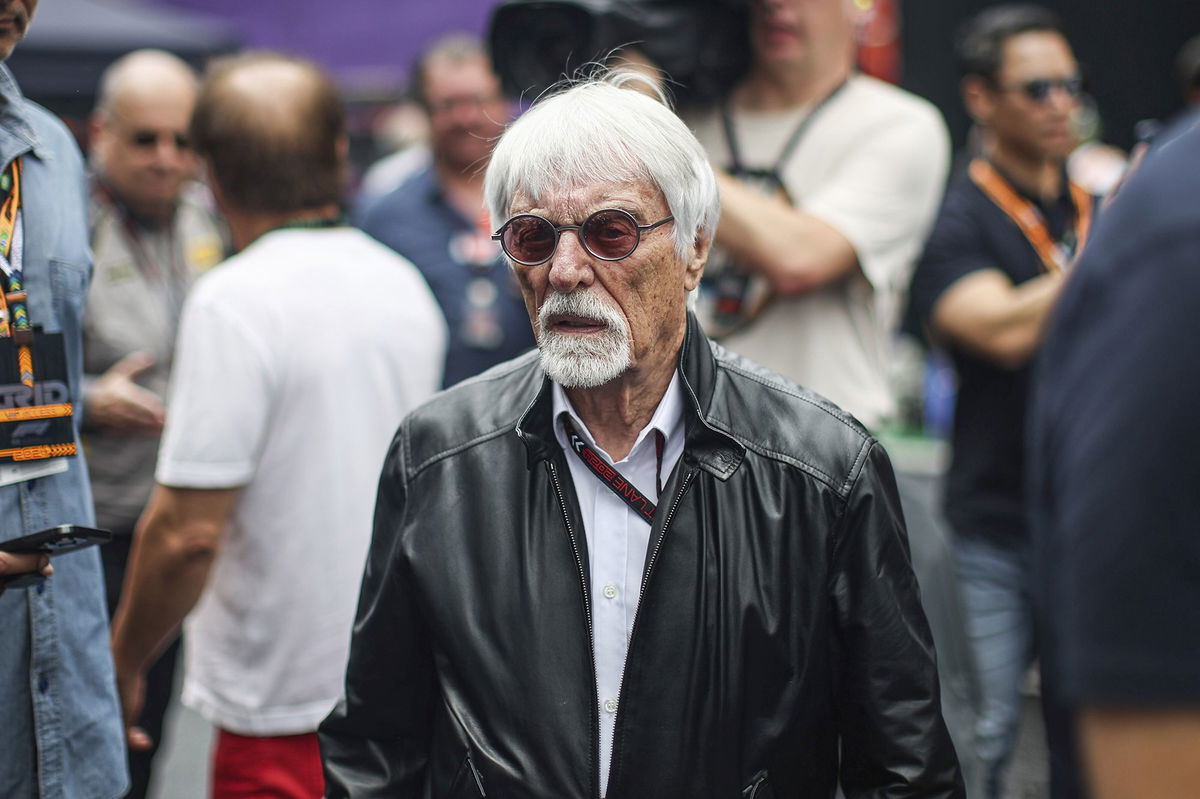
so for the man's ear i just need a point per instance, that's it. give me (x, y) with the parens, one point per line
(979, 98)
(695, 266)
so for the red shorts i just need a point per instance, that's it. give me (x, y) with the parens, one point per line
(282, 767)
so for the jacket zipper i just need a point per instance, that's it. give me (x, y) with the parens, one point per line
(687, 479)
(587, 612)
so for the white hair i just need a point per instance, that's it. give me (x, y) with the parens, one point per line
(599, 129)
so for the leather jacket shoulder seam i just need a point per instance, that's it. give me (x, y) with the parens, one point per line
(457, 448)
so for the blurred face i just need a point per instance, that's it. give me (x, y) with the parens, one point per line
(466, 111)
(597, 319)
(1031, 108)
(799, 33)
(141, 148)
(14, 21)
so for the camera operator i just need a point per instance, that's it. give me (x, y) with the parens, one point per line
(848, 172)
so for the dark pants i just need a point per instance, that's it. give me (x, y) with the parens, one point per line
(160, 679)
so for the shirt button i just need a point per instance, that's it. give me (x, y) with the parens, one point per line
(610, 591)
(41, 588)
(43, 683)
(610, 705)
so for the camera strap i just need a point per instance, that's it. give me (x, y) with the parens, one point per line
(789, 146)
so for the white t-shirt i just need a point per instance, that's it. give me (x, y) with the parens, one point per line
(873, 166)
(296, 361)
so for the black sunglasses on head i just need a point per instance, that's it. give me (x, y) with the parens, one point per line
(1038, 90)
(609, 234)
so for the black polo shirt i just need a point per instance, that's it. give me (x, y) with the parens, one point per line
(985, 483)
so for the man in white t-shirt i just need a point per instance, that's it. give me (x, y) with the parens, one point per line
(296, 360)
(847, 172)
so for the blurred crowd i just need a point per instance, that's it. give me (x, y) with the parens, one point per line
(242, 327)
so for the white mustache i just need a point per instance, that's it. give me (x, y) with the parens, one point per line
(579, 303)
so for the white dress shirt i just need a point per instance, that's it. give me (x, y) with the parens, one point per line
(617, 540)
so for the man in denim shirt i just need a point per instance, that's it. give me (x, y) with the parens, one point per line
(61, 730)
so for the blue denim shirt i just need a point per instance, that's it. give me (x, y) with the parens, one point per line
(60, 724)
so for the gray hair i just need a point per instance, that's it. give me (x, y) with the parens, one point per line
(601, 130)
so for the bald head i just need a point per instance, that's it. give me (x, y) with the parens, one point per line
(271, 128)
(139, 139)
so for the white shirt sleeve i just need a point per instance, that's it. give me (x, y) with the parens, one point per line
(887, 192)
(220, 400)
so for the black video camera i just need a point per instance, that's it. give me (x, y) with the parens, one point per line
(702, 45)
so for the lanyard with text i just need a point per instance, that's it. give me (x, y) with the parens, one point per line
(605, 473)
(1025, 215)
(35, 415)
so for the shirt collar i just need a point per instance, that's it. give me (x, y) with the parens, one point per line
(667, 418)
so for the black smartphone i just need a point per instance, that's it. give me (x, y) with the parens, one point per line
(52, 541)
(57, 540)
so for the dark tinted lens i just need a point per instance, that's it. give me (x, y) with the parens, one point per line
(610, 234)
(1073, 86)
(528, 239)
(1038, 90)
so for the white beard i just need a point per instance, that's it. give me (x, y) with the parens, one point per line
(583, 361)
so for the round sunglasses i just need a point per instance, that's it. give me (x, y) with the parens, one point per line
(609, 234)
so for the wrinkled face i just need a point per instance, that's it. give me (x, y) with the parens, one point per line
(14, 21)
(1035, 128)
(799, 33)
(596, 319)
(466, 110)
(141, 148)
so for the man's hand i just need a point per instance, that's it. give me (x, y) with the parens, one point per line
(131, 687)
(116, 402)
(12, 565)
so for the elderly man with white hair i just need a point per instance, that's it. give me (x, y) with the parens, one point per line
(632, 564)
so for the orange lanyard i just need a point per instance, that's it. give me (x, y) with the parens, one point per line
(14, 315)
(1026, 216)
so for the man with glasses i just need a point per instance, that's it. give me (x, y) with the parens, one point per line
(632, 564)
(152, 230)
(435, 218)
(1010, 226)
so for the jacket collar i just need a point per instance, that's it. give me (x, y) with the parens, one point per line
(712, 450)
(17, 135)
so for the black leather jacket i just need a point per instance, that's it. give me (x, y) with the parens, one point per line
(779, 624)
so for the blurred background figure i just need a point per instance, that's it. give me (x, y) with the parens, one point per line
(436, 218)
(829, 182)
(994, 264)
(152, 229)
(296, 360)
(403, 133)
(1114, 442)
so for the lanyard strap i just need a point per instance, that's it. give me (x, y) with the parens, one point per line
(607, 474)
(1026, 216)
(14, 310)
(793, 141)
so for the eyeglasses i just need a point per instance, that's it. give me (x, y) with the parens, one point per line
(1038, 90)
(609, 234)
(148, 139)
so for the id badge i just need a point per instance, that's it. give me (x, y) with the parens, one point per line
(35, 421)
